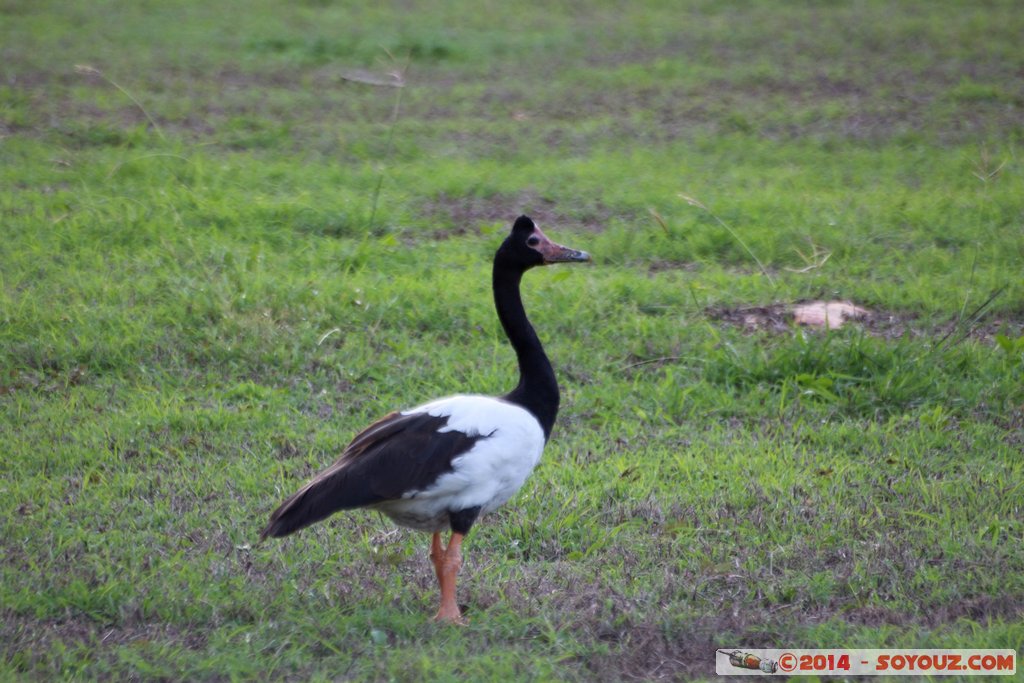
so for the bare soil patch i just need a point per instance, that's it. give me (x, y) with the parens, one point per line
(781, 317)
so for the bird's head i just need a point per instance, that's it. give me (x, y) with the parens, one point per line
(526, 247)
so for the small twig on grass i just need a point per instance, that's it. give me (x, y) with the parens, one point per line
(327, 334)
(816, 259)
(367, 78)
(663, 359)
(694, 202)
(93, 71)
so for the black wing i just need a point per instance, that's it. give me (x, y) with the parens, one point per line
(397, 454)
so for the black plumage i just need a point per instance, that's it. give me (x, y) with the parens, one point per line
(393, 456)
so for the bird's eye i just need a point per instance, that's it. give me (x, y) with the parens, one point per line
(533, 241)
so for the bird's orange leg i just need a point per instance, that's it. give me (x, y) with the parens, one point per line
(437, 554)
(447, 569)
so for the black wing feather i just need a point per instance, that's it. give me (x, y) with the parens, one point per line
(397, 454)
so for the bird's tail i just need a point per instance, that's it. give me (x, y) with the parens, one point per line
(330, 491)
(289, 517)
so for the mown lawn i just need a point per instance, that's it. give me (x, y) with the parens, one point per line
(228, 242)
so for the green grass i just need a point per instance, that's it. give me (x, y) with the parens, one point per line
(200, 304)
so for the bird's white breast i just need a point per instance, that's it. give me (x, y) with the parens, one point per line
(490, 472)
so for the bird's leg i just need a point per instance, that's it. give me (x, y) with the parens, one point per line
(447, 570)
(437, 554)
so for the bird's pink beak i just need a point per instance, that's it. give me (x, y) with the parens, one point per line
(556, 253)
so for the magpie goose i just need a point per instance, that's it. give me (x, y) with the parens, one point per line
(445, 463)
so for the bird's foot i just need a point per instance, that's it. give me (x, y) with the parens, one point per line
(450, 614)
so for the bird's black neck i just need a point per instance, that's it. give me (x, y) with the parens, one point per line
(538, 389)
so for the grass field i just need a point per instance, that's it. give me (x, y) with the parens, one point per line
(228, 243)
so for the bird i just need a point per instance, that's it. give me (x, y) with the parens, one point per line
(444, 464)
